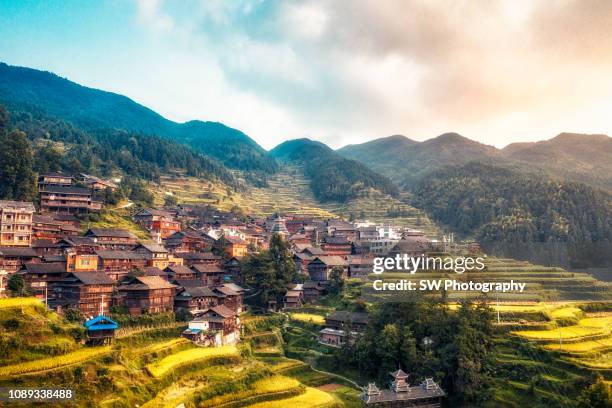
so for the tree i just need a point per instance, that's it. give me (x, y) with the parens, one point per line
(595, 396)
(74, 315)
(336, 281)
(170, 201)
(16, 172)
(16, 284)
(269, 272)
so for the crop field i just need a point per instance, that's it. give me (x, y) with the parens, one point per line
(119, 218)
(10, 303)
(311, 398)
(190, 356)
(52, 363)
(586, 328)
(288, 192)
(308, 318)
(271, 386)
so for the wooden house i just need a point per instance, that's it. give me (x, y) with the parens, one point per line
(157, 256)
(312, 291)
(117, 264)
(197, 298)
(113, 238)
(89, 292)
(148, 294)
(211, 275)
(181, 272)
(293, 298)
(68, 200)
(188, 240)
(401, 394)
(221, 320)
(41, 276)
(159, 223)
(320, 268)
(195, 258)
(100, 329)
(235, 247)
(16, 223)
(337, 246)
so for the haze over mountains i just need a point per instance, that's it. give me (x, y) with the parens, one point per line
(467, 186)
(585, 158)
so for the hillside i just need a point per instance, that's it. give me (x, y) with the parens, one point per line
(586, 158)
(525, 216)
(406, 161)
(148, 364)
(93, 109)
(61, 145)
(577, 157)
(332, 177)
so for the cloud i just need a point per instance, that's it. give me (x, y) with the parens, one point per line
(341, 72)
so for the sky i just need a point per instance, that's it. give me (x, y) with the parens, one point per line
(342, 72)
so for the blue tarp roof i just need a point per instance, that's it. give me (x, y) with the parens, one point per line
(101, 323)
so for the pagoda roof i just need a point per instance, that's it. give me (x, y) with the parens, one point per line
(399, 374)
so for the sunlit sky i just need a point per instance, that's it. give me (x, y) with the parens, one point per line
(341, 72)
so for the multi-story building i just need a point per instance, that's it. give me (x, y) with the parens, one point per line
(68, 200)
(89, 292)
(16, 223)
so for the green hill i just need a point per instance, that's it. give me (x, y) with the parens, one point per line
(93, 109)
(332, 177)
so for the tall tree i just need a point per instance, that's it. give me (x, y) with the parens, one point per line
(16, 171)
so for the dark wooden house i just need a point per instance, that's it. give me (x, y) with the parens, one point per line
(148, 294)
(89, 292)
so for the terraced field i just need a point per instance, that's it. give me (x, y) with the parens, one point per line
(156, 369)
(543, 283)
(288, 192)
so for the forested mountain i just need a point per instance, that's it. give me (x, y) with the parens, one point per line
(332, 178)
(405, 161)
(93, 109)
(61, 145)
(581, 157)
(522, 214)
(578, 157)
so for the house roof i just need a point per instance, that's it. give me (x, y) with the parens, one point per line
(198, 256)
(155, 248)
(179, 270)
(199, 291)
(223, 311)
(153, 211)
(17, 205)
(67, 190)
(44, 243)
(344, 316)
(101, 323)
(45, 268)
(226, 291)
(314, 250)
(235, 240)
(293, 293)
(45, 219)
(104, 254)
(110, 232)
(92, 278)
(205, 268)
(154, 271)
(147, 282)
(331, 260)
(337, 240)
(234, 287)
(23, 252)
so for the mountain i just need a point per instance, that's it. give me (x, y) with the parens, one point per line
(93, 109)
(568, 156)
(332, 177)
(405, 161)
(581, 157)
(521, 215)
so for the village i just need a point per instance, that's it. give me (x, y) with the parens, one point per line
(191, 265)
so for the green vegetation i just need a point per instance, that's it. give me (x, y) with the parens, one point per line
(332, 178)
(521, 216)
(191, 356)
(16, 161)
(269, 272)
